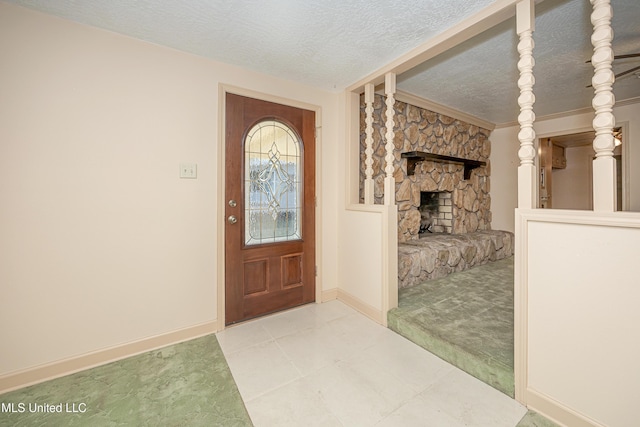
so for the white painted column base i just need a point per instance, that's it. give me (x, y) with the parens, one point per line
(604, 184)
(527, 180)
(389, 191)
(368, 192)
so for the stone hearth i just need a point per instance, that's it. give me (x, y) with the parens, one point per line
(437, 255)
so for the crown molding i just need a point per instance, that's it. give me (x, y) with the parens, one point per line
(420, 102)
(587, 110)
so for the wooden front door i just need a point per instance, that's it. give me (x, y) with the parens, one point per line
(270, 209)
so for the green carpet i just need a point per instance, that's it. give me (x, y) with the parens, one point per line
(533, 419)
(466, 319)
(187, 384)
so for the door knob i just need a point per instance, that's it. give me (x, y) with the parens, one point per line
(232, 219)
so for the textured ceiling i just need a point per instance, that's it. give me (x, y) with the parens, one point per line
(480, 76)
(331, 44)
(324, 43)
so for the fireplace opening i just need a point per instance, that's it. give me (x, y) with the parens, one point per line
(436, 212)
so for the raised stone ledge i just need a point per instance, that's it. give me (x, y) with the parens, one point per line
(437, 255)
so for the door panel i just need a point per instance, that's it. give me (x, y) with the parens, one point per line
(256, 275)
(292, 270)
(270, 189)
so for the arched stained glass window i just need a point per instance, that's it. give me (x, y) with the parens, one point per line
(272, 183)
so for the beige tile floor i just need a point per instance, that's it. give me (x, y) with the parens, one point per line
(328, 365)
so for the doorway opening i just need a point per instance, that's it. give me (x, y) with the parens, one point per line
(566, 171)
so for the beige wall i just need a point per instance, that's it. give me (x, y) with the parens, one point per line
(361, 267)
(581, 295)
(101, 243)
(572, 186)
(504, 177)
(504, 158)
(624, 114)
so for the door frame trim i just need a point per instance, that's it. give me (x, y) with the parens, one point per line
(223, 89)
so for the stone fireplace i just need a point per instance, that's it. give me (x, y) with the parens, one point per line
(418, 130)
(436, 212)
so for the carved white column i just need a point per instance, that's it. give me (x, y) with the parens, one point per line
(527, 182)
(389, 182)
(368, 181)
(527, 187)
(604, 165)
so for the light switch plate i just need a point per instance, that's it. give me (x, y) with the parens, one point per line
(188, 170)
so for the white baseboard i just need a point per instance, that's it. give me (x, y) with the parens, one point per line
(329, 295)
(557, 412)
(60, 368)
(361, 306)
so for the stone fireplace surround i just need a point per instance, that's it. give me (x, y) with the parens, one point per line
(418, 129)
(468, 241)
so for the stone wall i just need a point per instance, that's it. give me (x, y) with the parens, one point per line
(417, 129)
(439, 254)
